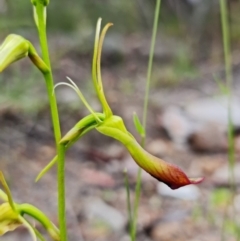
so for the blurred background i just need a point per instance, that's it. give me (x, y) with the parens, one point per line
(187, 117)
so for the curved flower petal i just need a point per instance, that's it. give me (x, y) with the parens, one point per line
(165, 172)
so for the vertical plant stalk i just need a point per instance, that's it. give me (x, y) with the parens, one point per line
(128, 200)
(41, 25)
(228, 71)
(144, 119)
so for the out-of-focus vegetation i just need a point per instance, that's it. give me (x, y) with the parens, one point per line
(195, 20)
(189, 33)
(71, 15)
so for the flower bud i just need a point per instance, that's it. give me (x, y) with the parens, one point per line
(16, 47)
(13, 48)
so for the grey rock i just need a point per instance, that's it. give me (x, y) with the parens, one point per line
(177, 124)
(96, 208)
(209, 138)
(214, 110)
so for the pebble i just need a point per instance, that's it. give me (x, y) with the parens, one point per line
(177, 124)
(211, 137)
(98, 209)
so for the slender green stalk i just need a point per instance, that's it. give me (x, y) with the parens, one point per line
(150, 62)
(41, 24)
(144, 120)
(136, 204)
(128, 200)
(228, 71)
(61, 193)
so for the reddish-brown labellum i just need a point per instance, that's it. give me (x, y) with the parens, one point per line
(167, 173)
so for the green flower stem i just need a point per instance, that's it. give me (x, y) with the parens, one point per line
(228, 73)
(40, 12)
(39, 216)
(150, 62)
(228, 70)
(144, 120)
(128, 200)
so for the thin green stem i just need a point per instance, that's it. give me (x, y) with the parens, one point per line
(41, 24)
(48, 76)
(128, 202)
(61, 193)
(136, 204)
(228, 71)
(144, 119)
(226, 41)
(150, 61)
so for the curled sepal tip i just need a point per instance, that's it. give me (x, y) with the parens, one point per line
(165, 172)
(16, 47)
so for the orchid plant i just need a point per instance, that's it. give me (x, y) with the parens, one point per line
(111, 125)
(16, 47)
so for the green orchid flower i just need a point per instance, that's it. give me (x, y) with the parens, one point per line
(113, 126)
(12, 216)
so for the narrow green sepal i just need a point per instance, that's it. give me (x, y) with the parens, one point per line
(81, 128)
